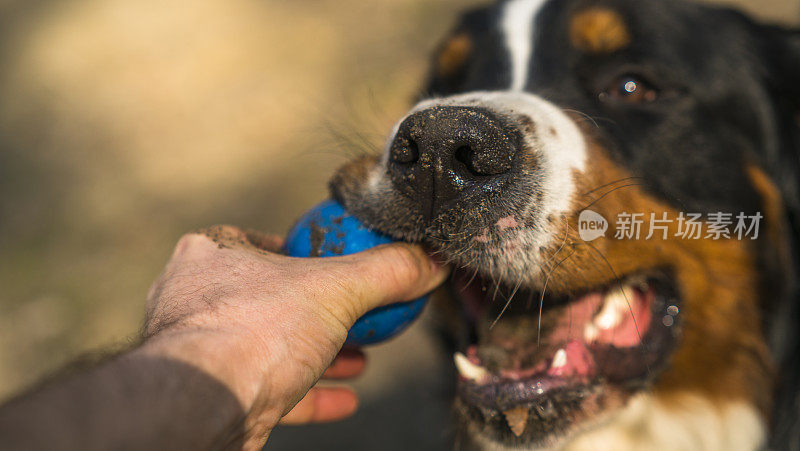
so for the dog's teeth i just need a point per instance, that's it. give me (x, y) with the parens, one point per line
(615, 304)
(468, 369)
(560, 359)
(517, 419)
(590, 332)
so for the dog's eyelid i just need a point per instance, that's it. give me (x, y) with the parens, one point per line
(656, 77)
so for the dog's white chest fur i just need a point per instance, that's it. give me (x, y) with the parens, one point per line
(688, 422)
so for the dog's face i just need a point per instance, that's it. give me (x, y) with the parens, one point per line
(642, 112)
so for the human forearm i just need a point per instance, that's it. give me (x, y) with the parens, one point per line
(138, 400)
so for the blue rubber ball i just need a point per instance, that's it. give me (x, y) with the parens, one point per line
(327, 230)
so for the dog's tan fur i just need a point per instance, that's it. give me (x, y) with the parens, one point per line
(598, 30)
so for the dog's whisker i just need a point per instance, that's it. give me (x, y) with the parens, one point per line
(503, 310)
(583, 115)
(627, 301)
(550, 259)
(624, 179)
(541, 298)
(611, 191)
(496, 288)
(471, 279)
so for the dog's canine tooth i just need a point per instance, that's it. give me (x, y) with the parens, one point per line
(517, 419)
(468, 369)
(590, 332)
(615, 304)
(559, 359)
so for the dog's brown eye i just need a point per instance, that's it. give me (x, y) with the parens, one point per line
(630, 89)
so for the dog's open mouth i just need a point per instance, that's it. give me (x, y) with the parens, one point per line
(533, 365)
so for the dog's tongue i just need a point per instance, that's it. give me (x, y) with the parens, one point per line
(574, 359)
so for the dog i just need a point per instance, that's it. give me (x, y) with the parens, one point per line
(549, 132)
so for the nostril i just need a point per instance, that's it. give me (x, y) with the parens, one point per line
(466, 156)
(413, 151)
(405, 151)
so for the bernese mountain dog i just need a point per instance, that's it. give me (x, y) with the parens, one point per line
(616, 184)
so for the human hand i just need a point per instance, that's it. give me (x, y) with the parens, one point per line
(270, 326)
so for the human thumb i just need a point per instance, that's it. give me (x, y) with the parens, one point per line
(382, 275)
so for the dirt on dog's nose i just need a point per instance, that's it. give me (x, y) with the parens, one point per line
(443, 153)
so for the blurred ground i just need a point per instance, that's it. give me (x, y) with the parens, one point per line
(125, 123)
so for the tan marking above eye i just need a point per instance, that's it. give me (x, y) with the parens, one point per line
(453, 55)
(599, 30)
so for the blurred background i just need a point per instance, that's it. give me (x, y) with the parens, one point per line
(124, 124)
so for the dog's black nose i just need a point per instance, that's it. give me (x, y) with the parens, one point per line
(446, 153)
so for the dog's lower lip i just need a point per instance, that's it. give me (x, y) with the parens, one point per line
(508, 394)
